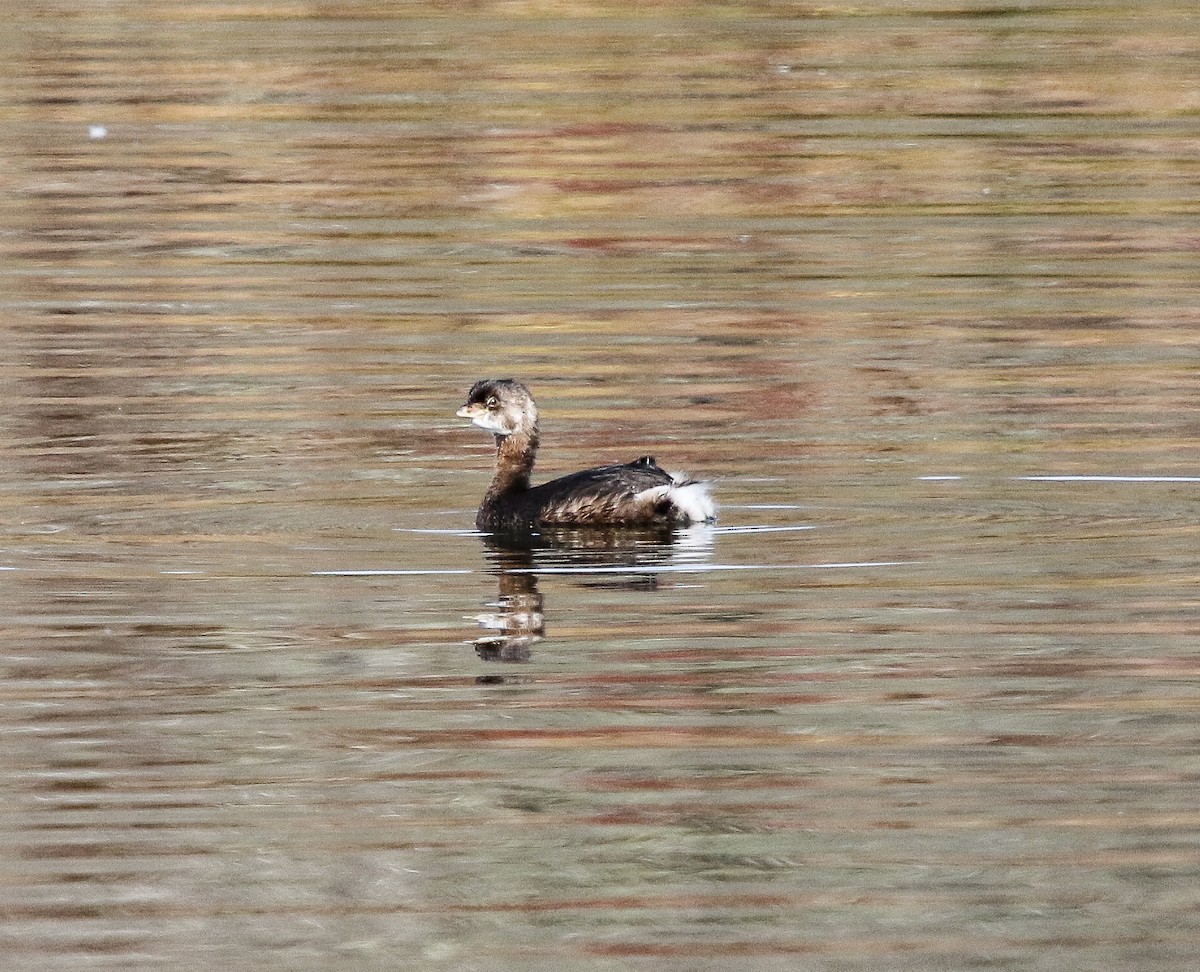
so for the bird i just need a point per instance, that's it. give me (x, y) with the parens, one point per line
(633, 494)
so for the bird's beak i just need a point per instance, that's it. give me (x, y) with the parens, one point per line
(465, 412)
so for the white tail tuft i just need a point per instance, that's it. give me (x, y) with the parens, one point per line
(694, 498)
(691, 497)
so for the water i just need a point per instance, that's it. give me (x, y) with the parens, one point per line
(916, 285)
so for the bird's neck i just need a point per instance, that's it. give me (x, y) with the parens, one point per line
(514, 461)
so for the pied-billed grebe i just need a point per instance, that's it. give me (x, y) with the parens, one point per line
(638, 493)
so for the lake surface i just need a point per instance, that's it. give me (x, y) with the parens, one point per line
(916, 283)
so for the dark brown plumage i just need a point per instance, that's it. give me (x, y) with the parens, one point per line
(638, 493)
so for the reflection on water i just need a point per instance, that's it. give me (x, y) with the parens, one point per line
(517, 621)
(620, 559)
(916, 284)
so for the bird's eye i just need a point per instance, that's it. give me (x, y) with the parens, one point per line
(492, 402)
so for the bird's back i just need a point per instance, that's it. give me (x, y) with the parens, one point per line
(633, 493)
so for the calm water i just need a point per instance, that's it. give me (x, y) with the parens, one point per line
(917, 283)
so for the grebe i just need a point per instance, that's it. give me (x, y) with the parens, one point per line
(638, 493)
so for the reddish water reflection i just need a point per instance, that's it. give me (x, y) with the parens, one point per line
(917, 288)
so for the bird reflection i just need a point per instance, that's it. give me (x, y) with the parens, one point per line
(515, 621)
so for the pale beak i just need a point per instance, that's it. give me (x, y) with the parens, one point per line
(464, 412)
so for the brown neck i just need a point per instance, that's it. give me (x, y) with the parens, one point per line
(514, 462)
